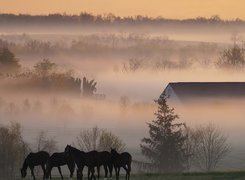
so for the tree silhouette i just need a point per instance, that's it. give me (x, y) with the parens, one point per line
(211, 147)
(165, 146)
(44, 68)
(8, 62)
(99, 139)
(233, 57)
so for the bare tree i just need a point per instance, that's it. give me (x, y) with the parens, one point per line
(99, 139)
(209, 147)
(108, 140)
(192, 140)
(233, 57)
(12, 150)
(43, 143)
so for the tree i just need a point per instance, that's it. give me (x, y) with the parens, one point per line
(165, 146)
(8, 62)
(192, 139)
(43, 143)
(210, 147)
(233, 57)
(12, 150)
(44, 68)
(99, 139)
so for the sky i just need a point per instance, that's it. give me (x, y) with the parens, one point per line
(180, 9)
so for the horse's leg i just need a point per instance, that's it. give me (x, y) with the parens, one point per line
(78, 174)
(118, 174)
(81, 172)
(89, 173)
(71, 168)
(126, 169)
(44, 171)
(110, 169)
(98, 171)
(115, 171)
(106, 171)
(129, 170)
(93, 175)
(32, 172)
(60, 172)
(49, 172)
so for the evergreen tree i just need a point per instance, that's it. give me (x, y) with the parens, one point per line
(165, 146)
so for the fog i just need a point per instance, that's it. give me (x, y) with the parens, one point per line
(135, 66)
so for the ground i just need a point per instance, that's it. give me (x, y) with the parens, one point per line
(238, 175)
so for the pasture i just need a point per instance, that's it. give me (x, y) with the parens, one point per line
(234, 175)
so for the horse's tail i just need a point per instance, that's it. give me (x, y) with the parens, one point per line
(129, 164)
(129, 167)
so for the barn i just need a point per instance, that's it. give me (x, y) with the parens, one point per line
(190, 91)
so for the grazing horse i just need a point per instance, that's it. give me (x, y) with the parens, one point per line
(35, 159)
(82, 159)
(104, 159)
(57, 160)
(121, 160)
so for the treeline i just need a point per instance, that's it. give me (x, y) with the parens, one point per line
(139, 51)
(88, 18)
(44, 76)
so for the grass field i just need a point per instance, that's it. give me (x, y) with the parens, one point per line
(240, 175)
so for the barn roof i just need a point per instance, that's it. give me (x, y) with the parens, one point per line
(185, 90)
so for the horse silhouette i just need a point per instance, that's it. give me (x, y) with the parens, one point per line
(57, 160)
(81, 159)
(121, 160)
(35, 159)
(104, 159)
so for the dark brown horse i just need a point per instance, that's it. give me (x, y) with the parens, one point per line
(57, 160)
(83, 159)
(32, 160)
(104, 159)
(121, 160)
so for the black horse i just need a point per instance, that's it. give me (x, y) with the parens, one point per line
(82, 159)
(57, 160)
(104, 159)
(121, 160)
(32, 160)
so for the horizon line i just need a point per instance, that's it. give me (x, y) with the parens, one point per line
(123, 16)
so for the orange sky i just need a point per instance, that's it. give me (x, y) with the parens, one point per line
(227, 9)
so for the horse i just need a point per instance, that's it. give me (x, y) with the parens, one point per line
(82, 159)
(121, 160)
(104, 159)
(57, 160)
(35, 159)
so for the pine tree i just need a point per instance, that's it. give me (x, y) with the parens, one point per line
(164, 147)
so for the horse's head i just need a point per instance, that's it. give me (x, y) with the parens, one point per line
(23, 172)
(67, 149)
(114, 152)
